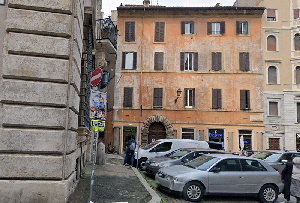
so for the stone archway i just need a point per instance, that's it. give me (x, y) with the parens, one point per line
(157, 119)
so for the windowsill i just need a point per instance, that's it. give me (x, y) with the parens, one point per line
(189, 107)
(243, 35)
(159, 42)
(157, 107)
(188, 34)
(273, 116)
(215, 35)
(130, 42)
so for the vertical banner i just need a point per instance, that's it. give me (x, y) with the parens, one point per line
(98, 102)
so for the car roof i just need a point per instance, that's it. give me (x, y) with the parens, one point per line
(278, 151)
(229, 156)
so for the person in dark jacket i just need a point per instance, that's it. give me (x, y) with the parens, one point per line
(287, 176)
(130, 152)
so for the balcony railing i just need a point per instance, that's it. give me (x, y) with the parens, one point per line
(107, 30)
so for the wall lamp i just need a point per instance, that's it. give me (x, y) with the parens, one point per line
(179, 91)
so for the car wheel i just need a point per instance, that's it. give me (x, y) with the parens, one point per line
(142, 164)
(268, 194)
(193, 191)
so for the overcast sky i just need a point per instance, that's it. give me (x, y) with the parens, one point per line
(108, 5)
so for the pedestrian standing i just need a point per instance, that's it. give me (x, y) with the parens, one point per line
(287, 176)
(130, 152)
(295, 181)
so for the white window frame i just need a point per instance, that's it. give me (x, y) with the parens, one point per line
(244, 27)
(215, 28)
(238, 137)
(129, 61)
(189, 61)
(187, 97)
(188, 28)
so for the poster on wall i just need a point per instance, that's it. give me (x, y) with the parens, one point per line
(98, 101)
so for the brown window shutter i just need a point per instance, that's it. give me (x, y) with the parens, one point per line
(127, 97)
(157, 99)
(238, 27)
(246, 32)
(271, 13)
(297, 42)
(219, 99)
(182, 61)
(209, 28)
(222, 27)
(159, 31)
(296, 13)
(243, 99)
(298, 75)
(130, 31)
(192, 27)
(214, 98)
(272, 75)
(195, 61)
(134, 60)
(244, 61)
(123, 60)
(182, 27)
(271, 43)
(298, 112)
(127, 32)
(216, 61)
(158, 60)
(273, 108)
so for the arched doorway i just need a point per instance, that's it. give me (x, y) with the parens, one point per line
(156, 131)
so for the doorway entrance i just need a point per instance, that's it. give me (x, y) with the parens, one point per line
(128, 132)
(156, 131)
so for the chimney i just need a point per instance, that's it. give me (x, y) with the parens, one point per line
(146, 3)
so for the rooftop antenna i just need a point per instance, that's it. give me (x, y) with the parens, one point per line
(157, 2)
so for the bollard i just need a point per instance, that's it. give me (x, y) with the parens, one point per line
(101, 155)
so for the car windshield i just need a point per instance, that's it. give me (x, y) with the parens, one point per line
(202, 163)
(148, 146)
(179, 154)
(267, 156)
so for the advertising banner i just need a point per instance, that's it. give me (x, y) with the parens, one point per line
(98, 102)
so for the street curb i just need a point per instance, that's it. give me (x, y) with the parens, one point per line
(155, 197)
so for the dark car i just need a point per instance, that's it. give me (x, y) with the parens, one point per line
(276, 159)
(179, 157)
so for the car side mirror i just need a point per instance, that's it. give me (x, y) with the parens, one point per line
(284, 161)
(153, 150)
(184, 160)
(215, 170)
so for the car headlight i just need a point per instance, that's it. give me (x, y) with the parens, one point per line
(171, 178)
(154, 164)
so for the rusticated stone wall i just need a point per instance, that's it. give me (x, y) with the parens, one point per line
(39, 94)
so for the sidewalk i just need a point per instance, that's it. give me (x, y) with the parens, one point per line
(113, 183)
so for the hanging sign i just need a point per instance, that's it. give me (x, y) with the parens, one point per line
(96, 76)
(97, 125)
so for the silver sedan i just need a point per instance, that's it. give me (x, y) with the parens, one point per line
(222, 174)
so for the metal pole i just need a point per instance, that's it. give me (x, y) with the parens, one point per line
(94, 155)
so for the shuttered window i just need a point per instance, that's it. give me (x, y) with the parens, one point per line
(187, 27)
(158, 60)
(188, 61)
(129, 31)
(216, 60)
(127, 97)
(215, 28)
(297, 42)
(216, 99)
(272, 75)
(298, 112)
(241, 27)
(244, 99)
(274, 144)
(159, 32)
(157, 97)
(187, 133)
(271, 15)
(189, 98)
(273, 108)
(129, 60)
(244, 61)
(296, 13)
(297, 75)
(271, 43)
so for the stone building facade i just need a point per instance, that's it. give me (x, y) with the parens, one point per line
(180, 74)
(44, 143)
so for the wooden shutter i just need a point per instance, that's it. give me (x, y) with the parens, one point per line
(134, 60)
(159, 32)
(129, 31)
(192, 27)
(216, 58)
(183, 27)
(215, 98)
(123, 59)
(209, 28)
(296, 13)
(246, 27)
(273, 108)
(244, 61)
(272, 75)
(271, 13)
(298, 112)
(182, 61)
(271, 43)
(274, 144)
(244, 99)
(158, 60)
(222, 27)
(157, 97)
(127, 97)
(297, 42)
(237, 27)
(298, 75)
(195, 55)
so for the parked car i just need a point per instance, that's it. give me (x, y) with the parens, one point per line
(179, 157)
(221, 174)
(276, 159)
(164, 146)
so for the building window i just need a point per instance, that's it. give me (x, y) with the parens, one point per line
(158, 60)
(245, 140)
(296, 13)
(188, 61)
(297, 75)
(271, 43)
(129, 60)
(241, 27)
(273, 108)
(159, 32)
(2, 2)
(187, 133)
(244, 99)
(272, 75)
(216, 135)
(297, 42)
(215, 28)
(187, 27)
(274, 144)
(216, 99)
(127, 97)
(216, 60)
(298, 112)
(129, 31)
(271, 15)
(244, 61)
(157, 97)
(189, 98)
